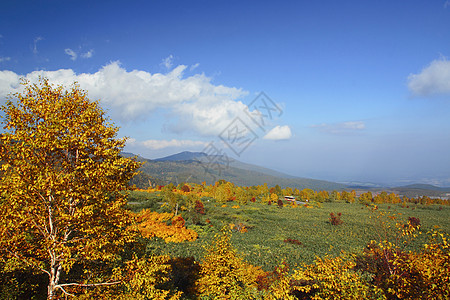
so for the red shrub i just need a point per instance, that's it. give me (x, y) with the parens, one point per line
(280, 203)
(293, 241)
(185, 188)
(336, 219)
(199, 208)
(414, 222)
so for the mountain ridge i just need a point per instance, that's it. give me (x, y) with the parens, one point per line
(199, 167)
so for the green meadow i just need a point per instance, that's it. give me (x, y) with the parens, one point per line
(270, 230)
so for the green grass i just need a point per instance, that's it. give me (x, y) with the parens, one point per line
(269, 226)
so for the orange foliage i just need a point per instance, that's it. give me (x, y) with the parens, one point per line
(154, 224)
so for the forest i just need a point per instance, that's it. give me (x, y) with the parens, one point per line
(71, 226)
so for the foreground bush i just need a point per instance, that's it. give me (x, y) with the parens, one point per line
(224, 274)
(334, 278)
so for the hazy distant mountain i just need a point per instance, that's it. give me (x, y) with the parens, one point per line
(223, 160)
(241, 165)
(362, 185)
(419, 189)
(199, 167)
(421, 186)
(185, 155)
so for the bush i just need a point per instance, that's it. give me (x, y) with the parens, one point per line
(414, 222)
(199, 207)
(280, 203)
(293, 241)
(336, 219)
(185, 188)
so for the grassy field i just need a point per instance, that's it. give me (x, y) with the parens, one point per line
(268, 226)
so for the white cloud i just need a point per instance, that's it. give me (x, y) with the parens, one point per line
(161, 144)
(73, 55)
(9, 82)
(193, 67)
(2, 59)
(432, 80)
(279, 133)
(194, 103)
(341, 128)
(88, 54)
(167, 62)
(447, 4)
(36, 40)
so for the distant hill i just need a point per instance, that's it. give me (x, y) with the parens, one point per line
(198, 167)
(362, 185)
(421, 186)
(419, 189)
(183, 156)
(221, 159)
(241, 165)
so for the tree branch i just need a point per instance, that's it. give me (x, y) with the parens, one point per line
(87, 284)
(25, 261)
(64, 291)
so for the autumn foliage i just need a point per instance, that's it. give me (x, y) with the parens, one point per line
(61, 180)
(166, 226)
(335, 219)
(224, 274)
(65, 230)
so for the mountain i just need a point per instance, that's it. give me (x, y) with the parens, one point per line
(419, 189)
(223, 160)
(421, 186)
(362, 185)
(199, 167)
(183, 156)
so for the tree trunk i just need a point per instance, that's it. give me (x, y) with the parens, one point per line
(55, 273)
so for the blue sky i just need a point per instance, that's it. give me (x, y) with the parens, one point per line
(359, 90)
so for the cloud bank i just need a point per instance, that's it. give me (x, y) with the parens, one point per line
(193, 103)
(431, 81)
(279, 133)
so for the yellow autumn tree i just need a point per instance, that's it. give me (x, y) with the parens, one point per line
(61, 180)
(366, 198)
(224, 274)
(334, 278)
(144, 279)
(402, 274)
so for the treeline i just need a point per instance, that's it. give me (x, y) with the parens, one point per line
(224, 191)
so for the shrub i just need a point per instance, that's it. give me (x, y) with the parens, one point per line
(199, 207)
(293, 241)
(336, 219)
(224, 274)
(280, 203)
(414, 222)
(333, 278)
(185, 188)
